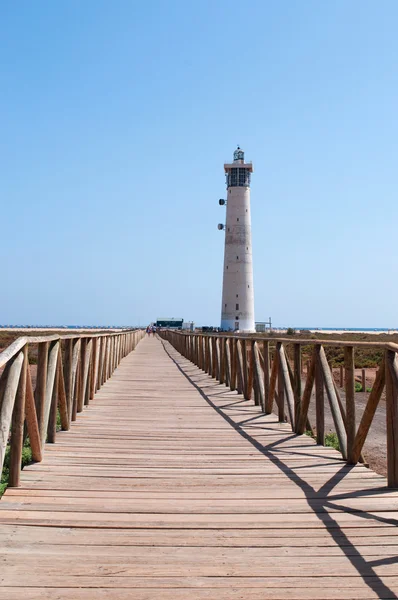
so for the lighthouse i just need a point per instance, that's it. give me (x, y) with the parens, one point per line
(237, 310)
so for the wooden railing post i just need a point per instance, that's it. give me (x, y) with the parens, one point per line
(233, 352)
(297, 381)
(249, 345)
(41, 379)
(392, 418)
(222, 341)
(350, 402)
(319, 400)
(333, 402)
(287, 386)
(50, 382)
(8, 390)
(266, 372)
(17, 427)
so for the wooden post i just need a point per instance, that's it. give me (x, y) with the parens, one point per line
(51, 371)
(245, 376)
(233, 351)
(341, 376)
(62, 403)
(250, 374)
(87, 372)
(309, 384)
(333, 402)
(266, 372)
(227, 361)
(68, 375)
(52, 420)
(222, 359)
(240, 384)
(392, 418)
(364, 380)
(284, 371)
(213, 342)
(350, 402)
(41, 379)
(31, 420)
(369, 412)
(281, 386)
(259, 384)
(74, 386)
(17, 427)
(297, 381)
(319, 401)
(272, 385)
(7, 400)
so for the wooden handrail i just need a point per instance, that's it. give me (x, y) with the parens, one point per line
(70, 369)
(244, 363)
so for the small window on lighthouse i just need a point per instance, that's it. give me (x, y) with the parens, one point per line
(237, 258)
(237, 295)
(237, 317)
(237, 219)
(237, 307)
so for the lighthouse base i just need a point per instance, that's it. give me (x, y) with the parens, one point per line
(243, 325)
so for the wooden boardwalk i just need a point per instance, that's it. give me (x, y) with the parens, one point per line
(171, 487)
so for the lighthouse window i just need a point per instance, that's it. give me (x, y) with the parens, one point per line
(237, 317)
(237, 258)
(225, 305)
(233, 178)
(242, 177)
(237, 295)
(237, 307)
(237, 219)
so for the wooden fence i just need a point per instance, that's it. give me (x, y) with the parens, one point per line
(259, 368)
(70, 369)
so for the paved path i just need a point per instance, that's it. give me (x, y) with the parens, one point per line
(169, 487)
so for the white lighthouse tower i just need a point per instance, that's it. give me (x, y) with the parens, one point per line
(237, 311)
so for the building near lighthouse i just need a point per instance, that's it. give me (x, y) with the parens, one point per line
(237, 310)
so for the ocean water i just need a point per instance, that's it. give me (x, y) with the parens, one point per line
(371, 329)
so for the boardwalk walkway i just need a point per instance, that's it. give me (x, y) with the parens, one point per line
(170, 487)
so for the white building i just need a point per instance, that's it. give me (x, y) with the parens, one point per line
(237, 311)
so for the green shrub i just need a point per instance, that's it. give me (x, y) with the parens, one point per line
(358, 387)
(332, 440)
(26, 460)
(290, 331)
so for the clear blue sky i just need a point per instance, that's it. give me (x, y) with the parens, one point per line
(117, 117)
